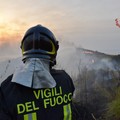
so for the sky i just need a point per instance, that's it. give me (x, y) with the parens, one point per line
(84, 23)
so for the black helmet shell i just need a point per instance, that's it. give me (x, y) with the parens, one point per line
(39, 42)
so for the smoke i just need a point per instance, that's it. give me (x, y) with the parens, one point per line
(7, 67)
(67, 59)
(73, 59)
(9, 50)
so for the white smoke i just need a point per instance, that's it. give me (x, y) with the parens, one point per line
(8, 67)
(68, 60)
(73, 59)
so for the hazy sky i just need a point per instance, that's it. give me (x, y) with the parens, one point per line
(86, 23)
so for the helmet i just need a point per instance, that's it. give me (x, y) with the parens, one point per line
(39, 42)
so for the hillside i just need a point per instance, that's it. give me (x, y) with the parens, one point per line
(97, 58)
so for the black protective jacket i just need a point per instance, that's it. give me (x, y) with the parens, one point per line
(18, 102)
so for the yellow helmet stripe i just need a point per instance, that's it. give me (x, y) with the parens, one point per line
(53, 49)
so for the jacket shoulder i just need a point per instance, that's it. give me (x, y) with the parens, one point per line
(59, 72)
(63, 78)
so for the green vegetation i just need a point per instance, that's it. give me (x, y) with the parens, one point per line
(113, 109)
(97, 94)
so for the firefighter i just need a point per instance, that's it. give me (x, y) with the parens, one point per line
(36, 91)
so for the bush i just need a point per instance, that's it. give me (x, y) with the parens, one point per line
(113, 112)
